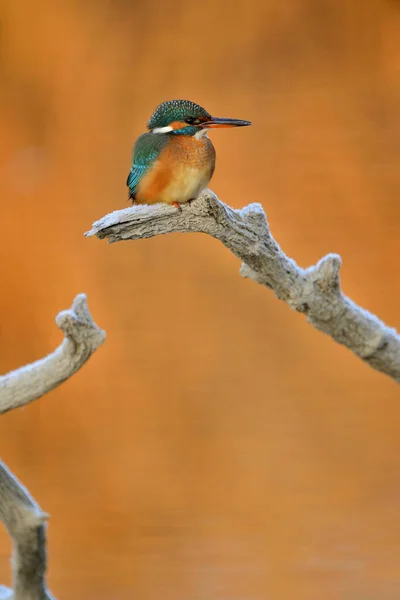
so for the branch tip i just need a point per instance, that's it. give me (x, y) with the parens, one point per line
(326, 271)
(79, 304)
(255, 215)
(77, 322)
(82, 338)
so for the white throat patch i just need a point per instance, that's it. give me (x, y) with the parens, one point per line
(201, 133)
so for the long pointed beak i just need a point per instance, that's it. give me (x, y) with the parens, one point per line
(220, 122)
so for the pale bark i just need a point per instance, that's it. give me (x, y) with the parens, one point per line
(81, 338)
(314, 291)
(20, 513)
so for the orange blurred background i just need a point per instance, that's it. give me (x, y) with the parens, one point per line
(216, 447)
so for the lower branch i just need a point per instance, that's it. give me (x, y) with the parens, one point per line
(21, 515)
(314, 291)
(25, 523)
(82, 338)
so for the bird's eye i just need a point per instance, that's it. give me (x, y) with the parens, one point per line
(191, 121)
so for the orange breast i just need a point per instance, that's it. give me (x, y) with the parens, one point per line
(183, 169)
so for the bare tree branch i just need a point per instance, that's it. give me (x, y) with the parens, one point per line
(82, 338)
(25, 523)
(314, 291)
(19, 512)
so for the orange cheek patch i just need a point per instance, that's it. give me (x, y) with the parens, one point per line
(178, 124)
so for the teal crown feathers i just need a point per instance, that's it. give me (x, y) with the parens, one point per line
(176, 110)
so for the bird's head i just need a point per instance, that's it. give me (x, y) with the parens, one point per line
(182, 117)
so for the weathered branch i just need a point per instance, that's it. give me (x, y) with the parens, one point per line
(25, 523)
(314, 291)
(82, 338)
(19, 512)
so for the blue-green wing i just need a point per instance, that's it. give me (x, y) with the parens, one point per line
(145, 151)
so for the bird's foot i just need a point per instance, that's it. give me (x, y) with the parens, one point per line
(179, 206)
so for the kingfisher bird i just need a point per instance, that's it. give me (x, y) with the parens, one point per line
(175, 160)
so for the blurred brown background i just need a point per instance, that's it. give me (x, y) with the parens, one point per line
(216, 447)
